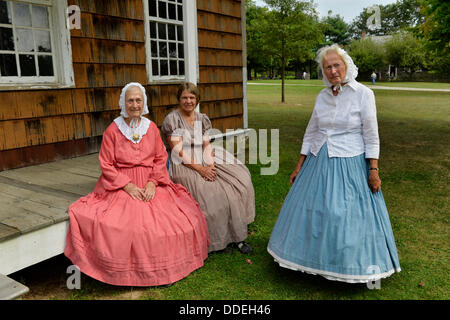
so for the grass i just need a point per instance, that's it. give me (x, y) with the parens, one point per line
(426, 85)
(415, 151)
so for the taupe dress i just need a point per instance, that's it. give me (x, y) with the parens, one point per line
(228, 202)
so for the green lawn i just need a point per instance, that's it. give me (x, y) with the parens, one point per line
(415, 151)
(426, 85)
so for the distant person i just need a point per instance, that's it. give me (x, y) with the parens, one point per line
(374, 77)
(304, 75)
(334, 221)
(137, 228)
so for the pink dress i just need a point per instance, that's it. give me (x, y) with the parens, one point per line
(122, 241)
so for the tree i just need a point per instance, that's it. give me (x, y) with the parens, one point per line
(367, 55)
(335, 29)
(406, 51)
(291, 30)
(404, 14)
(436, 32)
(255, 56)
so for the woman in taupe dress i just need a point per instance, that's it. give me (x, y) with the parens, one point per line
(223, 188)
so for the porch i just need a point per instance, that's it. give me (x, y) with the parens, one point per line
(33, 208)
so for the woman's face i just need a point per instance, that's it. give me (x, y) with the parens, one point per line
(334, 68)
(188, 101)
(134, 102)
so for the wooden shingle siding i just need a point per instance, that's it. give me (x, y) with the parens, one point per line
(223, 7)
(108, 51)
(220, 62)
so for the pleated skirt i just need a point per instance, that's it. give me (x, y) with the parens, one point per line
(332, 225)
(121, 241)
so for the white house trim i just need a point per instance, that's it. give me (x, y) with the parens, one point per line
(33, 247)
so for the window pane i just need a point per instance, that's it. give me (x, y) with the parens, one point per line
(22, 14)
(5, 13)
(173, 68)
(180, 33)
(25, 40)
(27, 65)
(45, 66)
(172, 50)
(152, 30)
(8, 66)
(154, 48)
(180, 1)
(181, 67)
(162, 34)
(180, 12)
(162, 9)
(162, 49)
(40, 17)
(43, 43)
(6, 39)
(172, 11)
(180, 50)
(155, 70)
(171, 31)
(152, 7)
(164, 68)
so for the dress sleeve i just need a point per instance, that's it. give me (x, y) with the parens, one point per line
(206, 124)
(169, 126)
(159, 175)
(310, 132)
(370, 126)
(113, 180)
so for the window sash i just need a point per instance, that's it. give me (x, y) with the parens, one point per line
(60, 49)
(189, 48)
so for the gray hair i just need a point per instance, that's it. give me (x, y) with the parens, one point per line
(352, 69)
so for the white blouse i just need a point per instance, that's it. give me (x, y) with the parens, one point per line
(347, 122)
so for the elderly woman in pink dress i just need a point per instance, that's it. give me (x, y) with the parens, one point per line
(137, 227)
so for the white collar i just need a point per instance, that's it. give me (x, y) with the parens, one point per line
(128, 132)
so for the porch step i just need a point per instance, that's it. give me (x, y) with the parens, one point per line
(11, 289)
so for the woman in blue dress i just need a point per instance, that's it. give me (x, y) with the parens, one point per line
(334, 221)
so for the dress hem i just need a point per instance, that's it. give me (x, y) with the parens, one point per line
(332, 275)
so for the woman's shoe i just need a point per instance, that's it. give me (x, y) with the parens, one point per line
(244, 247)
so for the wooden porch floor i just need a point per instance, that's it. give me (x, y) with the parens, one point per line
(36, 197)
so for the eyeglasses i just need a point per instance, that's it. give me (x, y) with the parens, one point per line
(336, 66)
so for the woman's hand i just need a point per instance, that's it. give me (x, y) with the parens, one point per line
(134, 191)
(149, 191)
(374, 181)
(208, 173)
(293, 176)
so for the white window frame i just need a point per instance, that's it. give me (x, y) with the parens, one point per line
(61, 52)
(190, 37)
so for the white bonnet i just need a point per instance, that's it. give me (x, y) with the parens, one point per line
(124, 113)
(352, 69)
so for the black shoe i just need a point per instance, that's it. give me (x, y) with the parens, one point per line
(244, 247)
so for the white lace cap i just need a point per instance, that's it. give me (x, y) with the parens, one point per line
(124, 113)
(352, 69)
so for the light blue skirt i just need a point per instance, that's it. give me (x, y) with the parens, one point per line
(331, 224)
